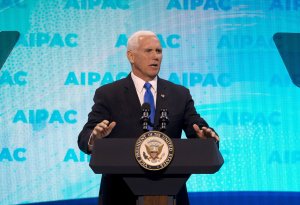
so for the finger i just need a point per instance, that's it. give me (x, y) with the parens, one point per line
(106, 122)
(97, 130)
(201, 135)
(103, 129)
(102, 124)
(207, 131)
(198, 131)
(214, 135)
(204, 128)
(196, 128)
(112, 125)
(108, 128)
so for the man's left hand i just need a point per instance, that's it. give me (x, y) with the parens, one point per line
(205, 133)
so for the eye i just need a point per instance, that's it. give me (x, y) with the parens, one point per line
(158, 50)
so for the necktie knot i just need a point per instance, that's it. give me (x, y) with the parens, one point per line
(147, 86)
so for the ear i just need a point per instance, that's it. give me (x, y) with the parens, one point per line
(130, 57)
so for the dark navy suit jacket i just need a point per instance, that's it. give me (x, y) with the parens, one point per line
(119, 102)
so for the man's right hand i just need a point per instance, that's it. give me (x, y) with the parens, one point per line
(103, 129)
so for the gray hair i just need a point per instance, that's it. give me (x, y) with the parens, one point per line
(133, 40)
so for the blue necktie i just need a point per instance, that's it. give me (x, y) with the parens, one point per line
(148, 98)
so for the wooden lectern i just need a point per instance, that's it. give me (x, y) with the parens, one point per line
(192, 156)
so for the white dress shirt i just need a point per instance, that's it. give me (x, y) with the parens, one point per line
(139, 86)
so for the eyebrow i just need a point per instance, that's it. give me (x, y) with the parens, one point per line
(150, 49)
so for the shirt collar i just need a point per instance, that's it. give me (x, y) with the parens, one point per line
(139, 83)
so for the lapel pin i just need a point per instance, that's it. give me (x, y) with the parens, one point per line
(162, 95)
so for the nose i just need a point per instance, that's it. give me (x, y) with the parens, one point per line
(156, 55)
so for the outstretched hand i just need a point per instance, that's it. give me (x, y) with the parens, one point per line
(103, 129)
(205, 133)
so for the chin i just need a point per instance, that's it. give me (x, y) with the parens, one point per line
(155, 71)
(154, 74)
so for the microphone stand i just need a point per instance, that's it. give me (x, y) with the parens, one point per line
(163, 120)
(145, 119)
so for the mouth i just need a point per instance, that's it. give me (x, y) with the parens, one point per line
(154, 65)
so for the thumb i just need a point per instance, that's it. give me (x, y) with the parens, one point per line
(198, 131)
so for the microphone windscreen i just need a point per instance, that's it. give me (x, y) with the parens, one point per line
(146, 106)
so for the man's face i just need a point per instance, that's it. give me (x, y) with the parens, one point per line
(146, 58)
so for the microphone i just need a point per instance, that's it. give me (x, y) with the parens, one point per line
(145, 119)
(163, 119)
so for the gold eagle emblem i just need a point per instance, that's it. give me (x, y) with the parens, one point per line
(153, 151)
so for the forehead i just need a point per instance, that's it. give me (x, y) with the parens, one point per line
(149, 41)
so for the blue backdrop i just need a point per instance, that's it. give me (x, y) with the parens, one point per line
(222, 50)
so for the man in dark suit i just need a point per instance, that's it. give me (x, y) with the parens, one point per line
(117, 112)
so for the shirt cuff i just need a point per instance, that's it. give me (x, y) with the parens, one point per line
(91, 142)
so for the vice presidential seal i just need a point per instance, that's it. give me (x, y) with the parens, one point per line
(154, 150)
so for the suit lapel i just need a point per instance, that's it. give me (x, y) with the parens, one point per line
(131, 98)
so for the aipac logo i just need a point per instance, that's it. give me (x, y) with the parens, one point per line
(224, 5)
(96, 4)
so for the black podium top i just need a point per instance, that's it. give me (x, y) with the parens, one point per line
(192, 156)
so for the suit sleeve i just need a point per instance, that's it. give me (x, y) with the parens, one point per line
(192, 117)
(100, 111)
